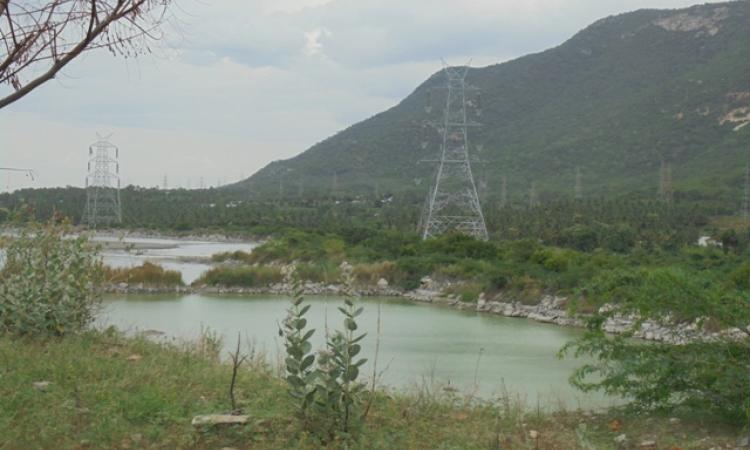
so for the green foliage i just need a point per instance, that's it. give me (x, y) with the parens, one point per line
(99, 400)
(467, 292)
(237, 255)
(710, 375)
(241, 276)
(327, 395)
(319, 272)
(371, 273)
(300, 372)
(339, 393)
(49, 283)
(740, 277)
(146, 273)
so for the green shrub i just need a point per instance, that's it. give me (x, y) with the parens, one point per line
(243, 276)
(49, 284)
(740, 277)
(325, 385)
(318, 272)
(147, 273)
(702, 376)
(498, 281)
(373, 272)
(521, 250)
(467, 292)
(410, 271)
(552, 259)
(237, 255)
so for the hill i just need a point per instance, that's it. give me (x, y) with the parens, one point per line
(615, 100)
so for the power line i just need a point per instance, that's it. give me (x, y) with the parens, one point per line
(453, 202)
(746, 198)
(103, 185)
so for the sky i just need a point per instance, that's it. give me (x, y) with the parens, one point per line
(236, 84)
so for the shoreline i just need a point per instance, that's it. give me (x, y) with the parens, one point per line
(551, 309)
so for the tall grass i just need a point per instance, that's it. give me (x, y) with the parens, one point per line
(147, 273)
(242, 276)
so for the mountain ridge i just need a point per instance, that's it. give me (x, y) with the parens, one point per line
(615, 100)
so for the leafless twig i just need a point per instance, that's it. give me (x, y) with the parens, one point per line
(237, 361)
(38, 38)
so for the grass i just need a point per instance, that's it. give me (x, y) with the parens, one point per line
(244, 276)
(108, 391)
(147, 273)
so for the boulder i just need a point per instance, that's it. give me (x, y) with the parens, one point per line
(41, 386)
(382, 283)
(219, 419)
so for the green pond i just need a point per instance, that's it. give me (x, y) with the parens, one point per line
(421, 346)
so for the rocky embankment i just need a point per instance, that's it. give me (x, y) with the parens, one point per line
(550, 309)
(553, 309)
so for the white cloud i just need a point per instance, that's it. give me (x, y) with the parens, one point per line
(238, 84)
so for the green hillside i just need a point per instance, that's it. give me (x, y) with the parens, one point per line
(615, 99)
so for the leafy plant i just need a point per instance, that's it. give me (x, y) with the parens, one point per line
(50, 281)
(300, 373)
(327, 395)
(702, 374)
(340, 396)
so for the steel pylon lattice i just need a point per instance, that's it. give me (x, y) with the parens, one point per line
(746, 197)
(453, 202)
(103, 185)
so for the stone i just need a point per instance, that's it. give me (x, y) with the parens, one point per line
(382, 283)
(41, 386)
(533, 434)
(674, 420)
(743, 442)
(134, 357)
(621, 439)
(219, 419)
(647, 444)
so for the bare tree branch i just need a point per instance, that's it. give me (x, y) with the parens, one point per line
(38, 38)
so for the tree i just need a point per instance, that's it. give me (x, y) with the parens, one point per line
(39, 38)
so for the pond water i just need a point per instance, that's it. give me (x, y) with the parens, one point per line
(420, 345)
(192, 258)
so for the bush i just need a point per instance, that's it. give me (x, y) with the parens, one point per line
(740, 277)
(50, 284)
(241, 276)
(467, 292)
(147, 273)
(710, 375)
(498, 281)
(237, 255)
(372, 273)
(319, 272)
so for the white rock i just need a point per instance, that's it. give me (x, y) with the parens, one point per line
(41, 385)
(382, 283)
(219, 419)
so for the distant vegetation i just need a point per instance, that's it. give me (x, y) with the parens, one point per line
(614, 100)
(240, 276)
(523, 268)
(147, 273)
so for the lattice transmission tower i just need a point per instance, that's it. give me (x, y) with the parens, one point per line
(103, 185)
(453, 203)
(578, 190)
(746, 197)
(666, 191)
